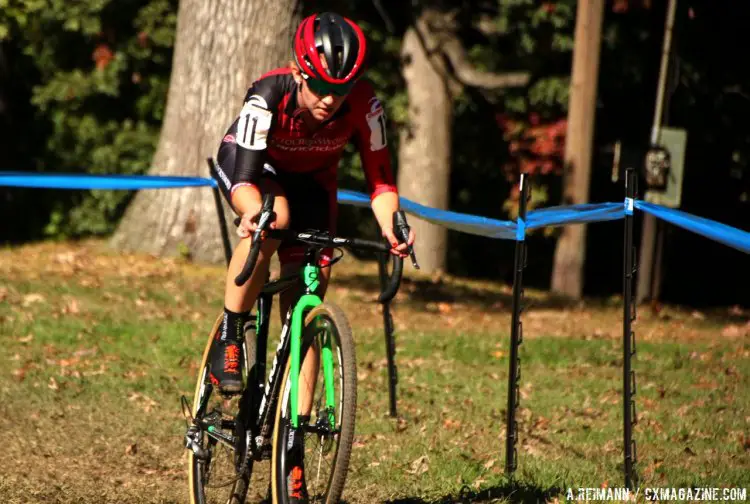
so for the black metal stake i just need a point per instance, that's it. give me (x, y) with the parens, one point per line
(628, 375)
(516, 335)
(220, 213)
(390, 341)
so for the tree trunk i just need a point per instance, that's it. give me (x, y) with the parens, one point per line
(425, 148)
(220, 47)
(570, 254)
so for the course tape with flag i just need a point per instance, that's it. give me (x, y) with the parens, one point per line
(472, 224)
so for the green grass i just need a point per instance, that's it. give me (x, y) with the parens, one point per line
(97, 350)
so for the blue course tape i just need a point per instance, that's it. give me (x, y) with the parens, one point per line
(473, 224)
(86, 181)
(574, 214)
(465, 223)
(728, 235)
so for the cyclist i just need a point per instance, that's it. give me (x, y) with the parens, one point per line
(288, 140)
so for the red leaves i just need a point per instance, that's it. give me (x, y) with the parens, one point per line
(535, 146)
(102, 56)
(142, 39)
(620, 6)
(623, 6)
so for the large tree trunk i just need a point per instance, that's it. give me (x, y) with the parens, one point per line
(221, 46)
(425, 148)
(570, 254)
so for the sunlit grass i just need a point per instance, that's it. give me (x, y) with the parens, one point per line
(98, 348)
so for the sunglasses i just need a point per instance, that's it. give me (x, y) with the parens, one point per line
(322, 88)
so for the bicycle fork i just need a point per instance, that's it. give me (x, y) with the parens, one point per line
(307, 302)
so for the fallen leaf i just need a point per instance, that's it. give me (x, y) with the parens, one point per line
(26, 339)
(451, 424)
(83, 352)
(689, 451)
(420, 465)
(32, 298)
(731, 330)
(72, 307)
(489, 463)
(401, 425)
(736, 310)
(444, 307)
(498, 354)
(19, 374)
(53, 384)
(69, 362)
(131, 449)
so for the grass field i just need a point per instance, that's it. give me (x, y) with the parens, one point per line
(97, 349)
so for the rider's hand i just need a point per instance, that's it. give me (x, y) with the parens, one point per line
(399, 249)
(249, 200)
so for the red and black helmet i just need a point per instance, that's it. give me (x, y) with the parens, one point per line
(339, 40)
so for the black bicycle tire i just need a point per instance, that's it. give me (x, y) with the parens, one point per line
(337, 479)
(197, 496)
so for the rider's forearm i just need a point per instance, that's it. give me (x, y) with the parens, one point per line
(383, 206)
(245, 198)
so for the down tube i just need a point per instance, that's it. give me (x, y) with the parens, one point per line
(306, 302)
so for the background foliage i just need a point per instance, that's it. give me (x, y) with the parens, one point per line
(83, 87)
(88, 87)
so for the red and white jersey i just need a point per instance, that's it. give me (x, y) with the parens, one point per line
(269, 130)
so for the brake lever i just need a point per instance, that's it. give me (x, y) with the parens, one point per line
(401, 229)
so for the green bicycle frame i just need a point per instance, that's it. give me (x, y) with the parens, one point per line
(307, 302)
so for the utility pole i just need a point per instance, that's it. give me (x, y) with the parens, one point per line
(570, 253)
(650, 257)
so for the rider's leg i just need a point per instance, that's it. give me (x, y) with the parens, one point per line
(242, 298)
(238, 300)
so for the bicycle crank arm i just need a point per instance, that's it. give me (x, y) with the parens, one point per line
(220, 436)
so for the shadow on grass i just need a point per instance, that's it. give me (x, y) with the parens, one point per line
(426, 290)
(513, 491)
(422, 291)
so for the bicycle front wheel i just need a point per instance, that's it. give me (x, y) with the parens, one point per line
(322, 442)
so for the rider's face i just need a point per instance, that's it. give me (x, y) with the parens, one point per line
(320, 105)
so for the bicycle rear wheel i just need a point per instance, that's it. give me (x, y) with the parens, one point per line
(222, 475)
(328, 433)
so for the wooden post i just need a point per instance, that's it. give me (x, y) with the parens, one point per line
(649, 283)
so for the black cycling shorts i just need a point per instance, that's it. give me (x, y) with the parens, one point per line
(312, 199)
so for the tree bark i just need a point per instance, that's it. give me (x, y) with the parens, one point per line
(570, 254)
(220, 47)
(425, 148)
(436, 69)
